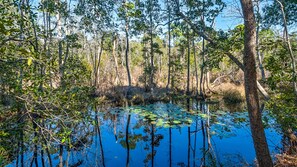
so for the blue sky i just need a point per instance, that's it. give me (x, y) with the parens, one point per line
(230, 17)
(226, 22)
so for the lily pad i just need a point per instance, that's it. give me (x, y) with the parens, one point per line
(160, 122)
(176, 122)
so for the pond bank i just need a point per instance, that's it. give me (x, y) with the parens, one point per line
(137, 95)
(229, 92)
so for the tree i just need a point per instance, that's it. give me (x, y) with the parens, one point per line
(125, 13)
(250, 78)
(152, 12)
(273, 14)
(284, 13)
(288, 42)
(213, 43)
(95, 20)
(169, 43)
(259, 54)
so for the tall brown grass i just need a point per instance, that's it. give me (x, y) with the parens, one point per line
(230, 92)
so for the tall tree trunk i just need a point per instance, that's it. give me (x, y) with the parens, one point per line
(250, 78)
(34, 27)
(203, 58)
(169, 44)
(115, 60)
(122, 41)
(259, 57)
(42, 68)
(60, 61)
(48, 53)
(127, 45)
(207, 78)
(188, 63)
(146, 64)
(60, 49)
(152, 71)
(127, 52)
(294, 75)
(202, 70)
(196, 69)
(20, 84)
(95, 67)
(97, 64)
(173, 69)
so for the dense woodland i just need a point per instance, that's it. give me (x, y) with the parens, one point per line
(62, 56)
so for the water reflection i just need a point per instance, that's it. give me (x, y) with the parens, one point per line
(98, 131)
(127, 141)
(161, 134)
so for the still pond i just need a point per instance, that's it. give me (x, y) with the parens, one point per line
(159, 134)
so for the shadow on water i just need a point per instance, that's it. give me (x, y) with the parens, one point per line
(178, 133)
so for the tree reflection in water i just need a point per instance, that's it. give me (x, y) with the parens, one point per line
(127, 140)
(98, 124)
(153, 135)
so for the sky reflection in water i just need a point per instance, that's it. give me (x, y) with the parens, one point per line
(216, 138)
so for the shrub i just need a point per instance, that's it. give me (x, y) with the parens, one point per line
(232, 96)
(137, 99)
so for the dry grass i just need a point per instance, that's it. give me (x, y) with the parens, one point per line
(230, 92)
(225, 87)
(284, 160)
(232, 96)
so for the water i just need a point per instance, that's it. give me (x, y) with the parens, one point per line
(160, 135)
